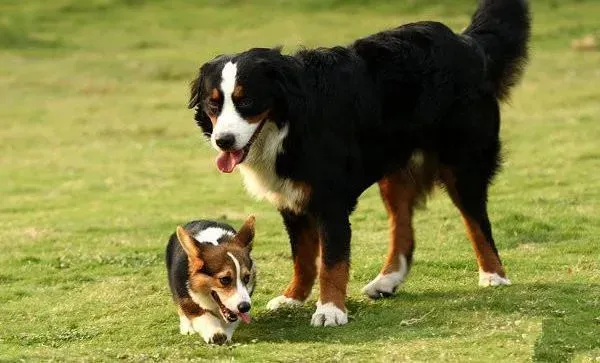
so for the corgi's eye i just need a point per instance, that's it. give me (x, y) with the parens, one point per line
(246, 279)
(225, 281)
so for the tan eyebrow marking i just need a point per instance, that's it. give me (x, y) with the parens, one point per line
(214, 95)
(238, 92)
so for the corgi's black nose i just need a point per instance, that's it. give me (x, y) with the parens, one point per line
(244, 307)
(225, 141)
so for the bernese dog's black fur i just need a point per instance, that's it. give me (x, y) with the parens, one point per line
(359, 113)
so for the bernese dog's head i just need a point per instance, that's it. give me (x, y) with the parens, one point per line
(235, 96)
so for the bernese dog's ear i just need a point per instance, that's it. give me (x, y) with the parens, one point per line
(204, 122)
(196, 88)
(194, 93)
(202, 119)
(289, 93)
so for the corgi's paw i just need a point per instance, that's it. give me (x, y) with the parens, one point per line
(282, 301)
(210, 328)
(185, 325)
(328, 315)
(218, 339)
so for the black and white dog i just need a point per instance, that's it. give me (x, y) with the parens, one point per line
(405, 108)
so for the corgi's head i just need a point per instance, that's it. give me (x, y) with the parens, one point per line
(223, 271)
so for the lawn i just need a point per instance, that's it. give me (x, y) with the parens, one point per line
(100, 160)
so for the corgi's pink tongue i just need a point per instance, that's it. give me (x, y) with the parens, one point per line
(226, 161)
(245, 317)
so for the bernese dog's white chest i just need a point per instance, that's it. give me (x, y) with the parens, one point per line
(261, 179)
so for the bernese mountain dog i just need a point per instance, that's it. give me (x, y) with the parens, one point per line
(407, 108)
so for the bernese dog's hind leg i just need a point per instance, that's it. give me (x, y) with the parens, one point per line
(304, 240)
(468, 191)
(400, 193)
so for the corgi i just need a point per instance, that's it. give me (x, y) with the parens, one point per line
(212, 277)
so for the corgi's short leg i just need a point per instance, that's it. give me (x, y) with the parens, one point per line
(230, 328)
(211, 329)
(193, 319)
(185, 325)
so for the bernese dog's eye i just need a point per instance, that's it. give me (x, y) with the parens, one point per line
(245, 102)
(212, 106)
(246, 279)
(225, 280)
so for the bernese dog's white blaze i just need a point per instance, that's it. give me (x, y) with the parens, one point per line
(492, 279)
(185, 325)
(230, 121)
(212, 235)
(241, 293)
(210, 328)
(386, 284)
(260, 177)
(328, 315)
(282, 301)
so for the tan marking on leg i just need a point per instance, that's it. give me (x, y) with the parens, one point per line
(487, 259)
(333, 282)
(305, 265)
(399, 195)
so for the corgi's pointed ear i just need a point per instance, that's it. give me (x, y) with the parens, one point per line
(189, 245)
(245, 234)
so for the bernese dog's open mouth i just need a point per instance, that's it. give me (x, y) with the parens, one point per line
(228, 315)
(227, 160)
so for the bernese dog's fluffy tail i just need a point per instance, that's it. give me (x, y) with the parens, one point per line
(502, 28)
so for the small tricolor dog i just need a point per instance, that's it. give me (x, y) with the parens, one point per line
(211, 276)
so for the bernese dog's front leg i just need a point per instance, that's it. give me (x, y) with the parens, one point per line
(335, 234)
(304, 241)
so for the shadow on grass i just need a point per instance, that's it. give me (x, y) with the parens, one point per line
(570, 316)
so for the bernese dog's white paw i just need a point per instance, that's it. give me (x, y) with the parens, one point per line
(491, 279)
(383, 285)
(185, 326)
(210, 328)
(282, 301)
(328, 315)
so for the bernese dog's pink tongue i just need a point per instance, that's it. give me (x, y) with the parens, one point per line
(226, 161)
(245, 317)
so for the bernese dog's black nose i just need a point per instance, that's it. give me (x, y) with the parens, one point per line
(244, 307)
(225, 141)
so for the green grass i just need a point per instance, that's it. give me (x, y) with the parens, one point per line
(100, 160)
